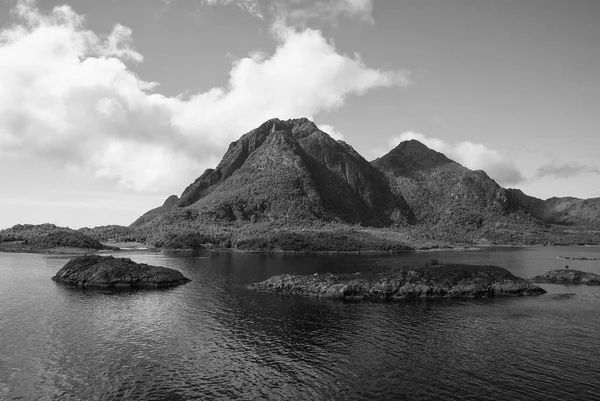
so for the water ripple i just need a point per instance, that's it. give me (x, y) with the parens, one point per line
(213, 339)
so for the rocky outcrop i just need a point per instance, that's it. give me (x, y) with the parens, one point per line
(109, 272)
(568, 276)
(432, 282)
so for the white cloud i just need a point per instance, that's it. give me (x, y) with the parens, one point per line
(474, 156)
(254, 7)
(566, 170)
(300, 12)
(67, 95)
(334, 133)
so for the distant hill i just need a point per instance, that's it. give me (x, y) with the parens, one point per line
(287, 171)
(565, 211)
(44, 237)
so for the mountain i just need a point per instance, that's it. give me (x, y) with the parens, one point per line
(291, 172)
(456, 202)
(287, 185)
(565, 211)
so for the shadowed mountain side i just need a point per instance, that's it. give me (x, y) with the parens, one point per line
(289, 171)
(565, 211)
(458, 202)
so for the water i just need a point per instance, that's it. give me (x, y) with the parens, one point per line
(214, 339)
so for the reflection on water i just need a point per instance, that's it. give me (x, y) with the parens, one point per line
(212, 338)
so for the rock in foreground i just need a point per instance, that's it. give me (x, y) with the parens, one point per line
(109, 272)
(431, 282)
(567, 276)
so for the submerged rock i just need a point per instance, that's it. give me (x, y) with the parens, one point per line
(430, 282)
(568, 276)
(110, 272)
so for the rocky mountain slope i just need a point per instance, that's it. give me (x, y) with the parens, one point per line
(566, 211)
(450, 198)
(287, 171)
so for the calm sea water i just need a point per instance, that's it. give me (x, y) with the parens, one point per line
(214, 339)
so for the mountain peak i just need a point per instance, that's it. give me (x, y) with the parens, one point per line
(410, 157)
(295, 125)
(291, 168)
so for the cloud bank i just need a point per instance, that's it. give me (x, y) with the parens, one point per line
(68, 96)
(566, 170)
(474, 156)
(301, 12)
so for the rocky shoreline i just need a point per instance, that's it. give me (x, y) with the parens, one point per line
(428, 282)
(577, 258)
(109, 272)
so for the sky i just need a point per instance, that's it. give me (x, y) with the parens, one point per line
(108, 107)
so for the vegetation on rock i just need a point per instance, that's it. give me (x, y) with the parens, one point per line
(42, 237)
(433, 281)
(568, 276)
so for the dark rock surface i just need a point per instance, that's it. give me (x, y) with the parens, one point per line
(432, 282)
(109, 272)
(568, 276)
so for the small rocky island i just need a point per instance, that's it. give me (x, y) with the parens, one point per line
(428, 282)
(96, 271)
(568, 276)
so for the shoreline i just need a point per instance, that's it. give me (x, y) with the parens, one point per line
(140, 247)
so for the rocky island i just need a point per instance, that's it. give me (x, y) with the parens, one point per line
(567, 276)
(429, 282)
(49, 238)
(109, 272)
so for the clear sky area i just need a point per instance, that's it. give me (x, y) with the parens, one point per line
(108, 107)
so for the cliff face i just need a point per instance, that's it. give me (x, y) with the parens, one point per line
(293, 172)
(565, 211)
